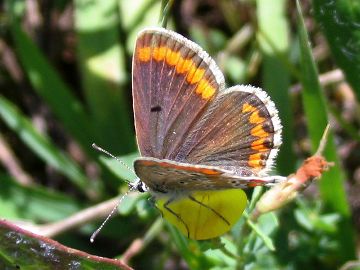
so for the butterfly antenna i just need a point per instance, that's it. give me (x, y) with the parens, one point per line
(111, 155)
(92, 238)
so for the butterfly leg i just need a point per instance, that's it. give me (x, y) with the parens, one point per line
(152, 202)
(166, 206)
(215, 212)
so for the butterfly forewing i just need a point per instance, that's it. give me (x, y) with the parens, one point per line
(183, 113)
(174, 81)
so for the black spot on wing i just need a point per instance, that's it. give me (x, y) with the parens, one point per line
(156, 108)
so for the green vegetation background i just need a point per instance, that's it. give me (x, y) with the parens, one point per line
(65, 82)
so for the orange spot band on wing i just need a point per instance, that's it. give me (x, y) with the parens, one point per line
(205, 89)
(255, 118)
(186, 66)
(259, 145)
(172, 58)
(195, 75)
(254, 160)
(259, 131)
(159, 53)
(248, 108)
(183, 65)
(144, 54)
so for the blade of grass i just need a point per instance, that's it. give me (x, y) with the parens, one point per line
(33, 203)
(165, 12)
(52, 89)
(102, 59)
(41, 145)
(331, 185)
(276, 76)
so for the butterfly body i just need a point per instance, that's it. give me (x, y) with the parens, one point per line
(199, 141)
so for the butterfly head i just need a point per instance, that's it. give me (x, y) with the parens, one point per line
(139, 186)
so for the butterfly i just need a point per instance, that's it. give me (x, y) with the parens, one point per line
(200, 142)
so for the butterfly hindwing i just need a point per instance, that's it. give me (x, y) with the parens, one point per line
(166, 176)
(240, 132)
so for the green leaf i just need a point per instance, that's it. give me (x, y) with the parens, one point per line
(133, 201)
(340, 22)
(119, 169)
(331, 184)
(276, 77)
(40, 144)
(303, 218)
(190, 250)
(262, 231)
(222, 255)
(139, 14)
(327, 223)
(136, 15)
(21, 249)
(309, 216)
(33, 203)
